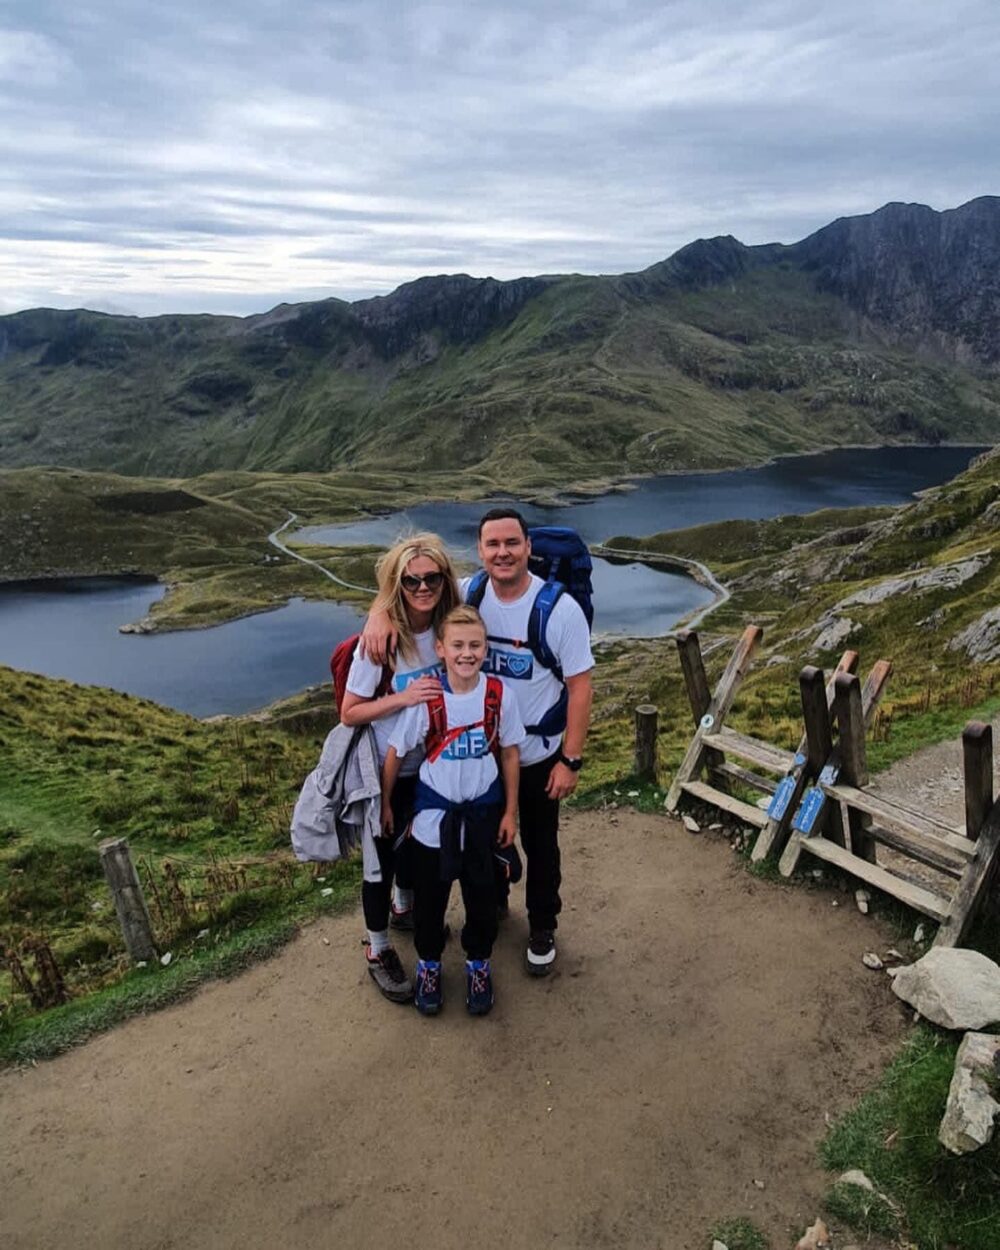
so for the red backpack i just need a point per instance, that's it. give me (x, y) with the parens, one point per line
(340, 667)
(439, 736)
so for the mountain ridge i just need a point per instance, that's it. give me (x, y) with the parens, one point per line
(872, 328)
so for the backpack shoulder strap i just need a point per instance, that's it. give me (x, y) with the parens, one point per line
(491, 713)
(477, 588)
(538, 624)
(437, 715)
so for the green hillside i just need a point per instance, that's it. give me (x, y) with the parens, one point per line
(721, 356)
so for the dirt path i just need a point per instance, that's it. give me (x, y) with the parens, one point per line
(700, 1026)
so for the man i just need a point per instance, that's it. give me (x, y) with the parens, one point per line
(555, 708)
(552, 755)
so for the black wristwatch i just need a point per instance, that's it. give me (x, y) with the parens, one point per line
(574, 765)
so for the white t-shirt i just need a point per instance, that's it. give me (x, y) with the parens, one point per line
(466, 768)
(365, 677)
(534, 687)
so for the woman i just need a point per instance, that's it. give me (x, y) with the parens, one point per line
(416, 588)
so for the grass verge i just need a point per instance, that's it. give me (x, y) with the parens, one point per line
(944, 1202)
(142, 990)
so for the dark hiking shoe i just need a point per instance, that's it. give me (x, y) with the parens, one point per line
(401, 918)
(541, 952)
(428, 995)
(387, 973)
(478, 986)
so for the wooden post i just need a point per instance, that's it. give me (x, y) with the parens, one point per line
(974, 887)
(698, 693)
(816, 717)
(977, 758)
(773, 837)
(645, 742)
(854, 758)
(123, 881)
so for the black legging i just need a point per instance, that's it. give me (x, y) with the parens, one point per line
(376, 896)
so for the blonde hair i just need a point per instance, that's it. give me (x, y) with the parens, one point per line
(464, 614)
(389, 572)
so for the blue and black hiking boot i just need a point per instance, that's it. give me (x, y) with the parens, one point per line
(478, 986)
(428, 992)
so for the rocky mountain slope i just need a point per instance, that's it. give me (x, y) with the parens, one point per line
(876, 328)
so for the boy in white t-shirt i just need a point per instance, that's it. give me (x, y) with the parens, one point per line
(464, 809)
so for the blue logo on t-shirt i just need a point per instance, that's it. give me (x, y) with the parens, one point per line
(514, 665)
(401, 680)
(470, 745)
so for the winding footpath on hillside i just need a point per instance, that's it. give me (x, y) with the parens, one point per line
(275, 541)
(676, 1069)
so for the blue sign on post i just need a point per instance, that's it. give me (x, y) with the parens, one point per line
(781, 798)
(812, 805)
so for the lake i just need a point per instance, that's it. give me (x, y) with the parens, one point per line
(70, 628)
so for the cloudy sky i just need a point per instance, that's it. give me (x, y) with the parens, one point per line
(223, 157)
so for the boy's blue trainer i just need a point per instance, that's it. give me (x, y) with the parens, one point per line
(478, 986)
(428, 991)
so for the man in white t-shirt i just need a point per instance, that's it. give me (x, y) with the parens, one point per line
(555, 710)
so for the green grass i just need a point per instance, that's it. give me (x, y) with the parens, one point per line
(739, 1234)
(945, 1201)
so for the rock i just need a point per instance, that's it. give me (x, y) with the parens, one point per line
(814, 1238)
(836, 631)
(690, 824)
(958, 989)
(971, 1112)
(871, 960)
(944, 577)
(777, 659)
(632, 794)
(166, 959)
(862, 898)
(327, 891)
(856, 1177)
(918, 933)
(717, 825)
(719, 1245)
(817, 874)
(980, 640)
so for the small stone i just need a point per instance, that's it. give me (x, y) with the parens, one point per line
(817, 874)
(327, 892)
(690, 824)
(892, 953)
(203, 933)
(97, 906)
(814, 1238)
(716, 825)
(835, 902)
(918, 933)
(142, 964)
(633, 794)
(854, 1176)
(321, 879)
(759, 1184)
(871, 960)
(325, 941)
(166, 959)
(862, 898)
(719, 1245)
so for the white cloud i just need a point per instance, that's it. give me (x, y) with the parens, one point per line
(174, 158)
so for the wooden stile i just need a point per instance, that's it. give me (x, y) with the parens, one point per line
(711, 720)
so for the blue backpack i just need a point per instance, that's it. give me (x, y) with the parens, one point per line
(560, 557)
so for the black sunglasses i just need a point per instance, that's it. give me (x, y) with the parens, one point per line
(411, 582)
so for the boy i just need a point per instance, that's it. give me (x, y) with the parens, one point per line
(465, 806)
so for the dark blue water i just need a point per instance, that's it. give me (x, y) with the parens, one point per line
(843, 478)
(70, 629)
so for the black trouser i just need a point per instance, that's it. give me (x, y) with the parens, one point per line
(430, 902)
(376, 896)
(539, 824)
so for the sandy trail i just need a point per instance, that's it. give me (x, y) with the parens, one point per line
(699, 1027)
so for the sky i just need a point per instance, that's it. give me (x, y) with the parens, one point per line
(225, 157)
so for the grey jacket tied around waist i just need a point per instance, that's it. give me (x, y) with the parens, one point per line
(340, 804)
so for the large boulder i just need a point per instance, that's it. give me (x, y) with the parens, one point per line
(971, 1113)
(957, 989)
